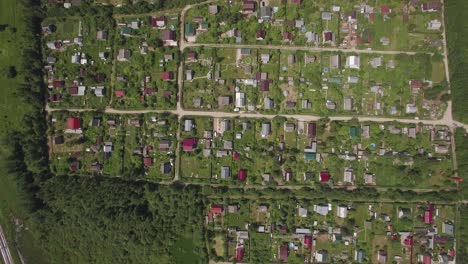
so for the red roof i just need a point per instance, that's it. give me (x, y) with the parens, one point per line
(154, 21)
(324, 176)
(248, 5)
(264, 85)
(260, 34)
(73, 123)
(328, 36)
(385, 9)
(311, 130)
(167, 75)
(216, 209)
(287, 36)
(416, 84)
(119, 93)
(242, 175)
(235, 156)
(192, 55)
(297, 2)
(284, 253)
(239, 254)
(148, 161)
(427, 259)
(432, 6)
(149, 91)
(308, 242)
(58, 84)
(189, 144)
(428, 217)
(408, 241)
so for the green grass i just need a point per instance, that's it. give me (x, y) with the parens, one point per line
(183, 251)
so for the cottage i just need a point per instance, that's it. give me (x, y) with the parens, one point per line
(288, 174)
(448, 228)
(353, 62)
(158, 22)
(321, 256)
(348, 104)
(73, 125)
(225, 172)
(430, 7)
(366, 131)
(242, 175)
(164, 145)
(266, 129)
(248, 6)
(441, 149)
(382, 256)
(260, 34)
(411, 109)
(59, 140)
(302, 212)
(287, 36)
(96, 167)
(127, 31)
(240, 99)
(359, 256)
(169, 38)
(349, 176)
(342, 211)
(434, 24)
(376, 62)
(189, 144)
(283, 253)
(213, 9)
(335, 61)
(327, 16)
(188, 125)
(101, 35)
(224, 101)
(266, 12)
(124, 55)
(321, 209)
(328, 37)
(268, 103)
(369, 178)
(217, 209)
(167, 76)
(289, 127)
(265, 58)
(166, 167)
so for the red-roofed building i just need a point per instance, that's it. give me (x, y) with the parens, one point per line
(408, 241)
(328, 36)
(287, 36)
(189, 144)
(324, 177)
(119, 93)
(148, 161)
(159, 22)
(283, 229)
(167, 76)
(191, 55)
(73, 123)
(427, 259)
(235, 156)
(248, 6)
(260, 35)
(239, 254)
(216, 209)
(264, 85)
(308, 242)
(242, 175)
(58, 84)
(430, 7)
(283, 254)
(416, 84)
(311, 130)
(385, 10)
(428, 215)
(452, 253)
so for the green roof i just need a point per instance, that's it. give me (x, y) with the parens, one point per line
(310, 156)
(189, 29)
(335, 80)
(126, 31)
(354, 132)
(245, 51)
(204, 25)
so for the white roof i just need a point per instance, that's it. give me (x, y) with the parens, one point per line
(353, 62)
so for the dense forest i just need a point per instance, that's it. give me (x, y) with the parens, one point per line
(457, 44)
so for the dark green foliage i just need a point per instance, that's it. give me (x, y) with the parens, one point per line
(457, 44)
(461, 139)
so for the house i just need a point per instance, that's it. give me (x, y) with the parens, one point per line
(224, 101)
(227, 144)
(366, 131)
(335, 62)
(99, 91)
(266, 12)
(369, 178)
(248, 6)
(101, 35)
(59, 140)
(268, 103)
(321, 209)
(166, 168)
(412, 132)
(260, 34)
(427, 258)
(164, 145)
(213, 9)
(353, 62)
(216, 209)
(283, 253)
(167, 76)
(342, 211)
(189, 144)
(127, 31)
(189, 75)
(434, 24)
(239, 254)
(265, 58)
(119, 93)
(428, 215)
(240, 99)
(349, 176)
(324, 177)
(124, 55)
(73, 123)
(188, 125)
(448, 228)
(169, 38)
(288, 174)
(302, 212)
(148, 162)
(242, 175)
(225, 172)
(348, 104)
(330, 105)
(441, 149)
(411, 109)
(311, 37)
(289, 127)
(328, 37)
(382, 257)
(327, 16)
(96, 167)
(385, 10)
(264, 85)
(353, 132)
(311, 130)
(359, 256)
(74, 166)
(430, 7)
(321, 256)
(266, 129)
(376, 62)
(287, 36)
(158, 22)
(55, 97)
(416, 85)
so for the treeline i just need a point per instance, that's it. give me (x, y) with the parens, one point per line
(457, 44)
(461, 140)
(90, 8)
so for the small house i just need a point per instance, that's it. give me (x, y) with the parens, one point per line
(189, 144)
(353, 62)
